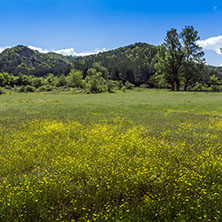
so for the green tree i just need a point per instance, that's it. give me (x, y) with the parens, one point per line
(37, 82)
(193, 56)
(23, 80)
(99, 68)
(95, 82)
(51, 79)
(5, 79)
(75, 79)
(169, 59)
(61, 81)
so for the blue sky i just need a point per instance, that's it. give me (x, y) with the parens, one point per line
(88, 26)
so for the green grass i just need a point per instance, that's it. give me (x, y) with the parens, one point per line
(146, 107)
(149, 155)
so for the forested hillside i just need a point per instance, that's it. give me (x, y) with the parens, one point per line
(131, 65)
(21, 59)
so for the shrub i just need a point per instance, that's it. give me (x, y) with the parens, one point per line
(2, 91)
(198, 87)
(216, 88)
(30, 89)
(46, 88)
(22, 89)
(95, 82)
(111, 86)
(129, 85)
(144, 86)
(74, 79)
(119, 84)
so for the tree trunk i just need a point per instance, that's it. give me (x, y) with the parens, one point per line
(177, 85)
(172, 86)
(185, 86)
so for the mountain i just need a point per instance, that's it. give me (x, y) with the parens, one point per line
(30, 62)
(133, 63)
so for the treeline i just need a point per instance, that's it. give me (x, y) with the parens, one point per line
(177, 64)
(133, 63)
(180, 63)
(21, 59)
(96, 81)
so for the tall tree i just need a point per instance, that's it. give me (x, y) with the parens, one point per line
(169, 59)
(193, 55)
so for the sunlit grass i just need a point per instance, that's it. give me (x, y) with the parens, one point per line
(113, 168)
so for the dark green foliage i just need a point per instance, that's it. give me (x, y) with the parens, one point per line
(75, 79)
(6, 79)
(22, 89)
(30, 89)
(45, 88)
(111, 85)
(133, 63)
(95, 81)
(26, 89)
(30, 62)
(193, 56)
(170, 57)
(180, 59)
(129, 85)
(37, 82)
(2, 91)
(178, 63)
(61, 81)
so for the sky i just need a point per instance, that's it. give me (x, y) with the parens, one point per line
(82, 27)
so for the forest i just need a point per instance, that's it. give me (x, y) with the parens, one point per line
(177, 64)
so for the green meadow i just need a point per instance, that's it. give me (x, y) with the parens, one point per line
(139, 155)
(148, 107)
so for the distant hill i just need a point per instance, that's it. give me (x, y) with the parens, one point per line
(30, 62)
(133, 63)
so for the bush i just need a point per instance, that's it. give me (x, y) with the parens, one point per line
(7, 87)
(216, 88)
(144, 86)
(129, 85)
(198, 87)
(95, 82)
(111, 86)
(30, 89)
(2, 91)
(46, 88)
(22, 89)
(119, 84)
(74, 79)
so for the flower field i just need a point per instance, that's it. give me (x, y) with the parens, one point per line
(65, 171)
(70, 158)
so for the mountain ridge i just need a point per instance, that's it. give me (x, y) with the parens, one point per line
(133, 63)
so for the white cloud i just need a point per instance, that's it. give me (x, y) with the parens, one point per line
(67, 52)
(38, 49)
(3, 48)
(72, 52)
(213, 44)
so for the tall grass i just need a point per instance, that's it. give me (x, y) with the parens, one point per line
(54, 170)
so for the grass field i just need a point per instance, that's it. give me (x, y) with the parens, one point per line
(150, 155)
